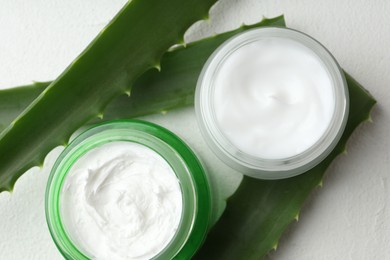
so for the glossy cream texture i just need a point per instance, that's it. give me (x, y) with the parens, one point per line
(273, 98)
(121, 200)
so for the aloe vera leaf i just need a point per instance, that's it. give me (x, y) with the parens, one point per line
(268, 216)
(132, 43)
(14, 100)
(153, 92)
(259, 211)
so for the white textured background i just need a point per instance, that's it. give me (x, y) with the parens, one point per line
(347, 219)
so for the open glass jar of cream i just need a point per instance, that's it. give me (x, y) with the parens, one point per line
(272, 102)
(128, 190)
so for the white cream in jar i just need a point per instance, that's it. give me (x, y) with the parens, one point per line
(272, 102)
(121, 200)
(273, 98)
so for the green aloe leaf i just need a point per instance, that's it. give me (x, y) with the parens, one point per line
(131, 44)
(259, 211)
(153, 92)
(14, 100)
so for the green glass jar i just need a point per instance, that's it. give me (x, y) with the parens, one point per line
(196, 198)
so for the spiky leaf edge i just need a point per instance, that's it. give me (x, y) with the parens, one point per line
(153, 92)
(131, 44)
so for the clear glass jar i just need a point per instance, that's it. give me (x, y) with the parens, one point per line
(259, 167)
(196, 208)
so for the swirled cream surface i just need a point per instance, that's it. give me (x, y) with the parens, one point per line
(121, 200)
(273, 98)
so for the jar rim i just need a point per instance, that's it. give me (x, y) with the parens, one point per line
(260, 167)
(196, 198)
